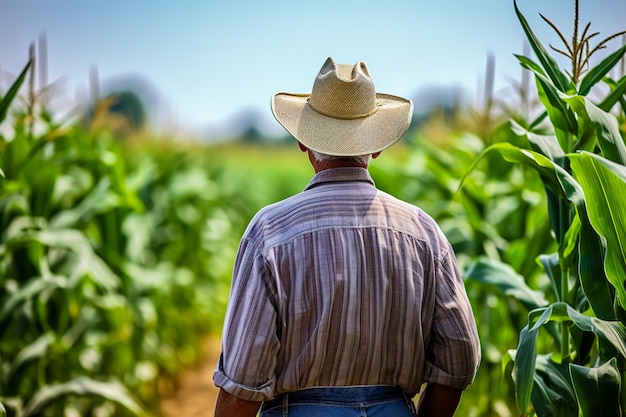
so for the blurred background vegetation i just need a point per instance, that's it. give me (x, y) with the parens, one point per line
(116, 245)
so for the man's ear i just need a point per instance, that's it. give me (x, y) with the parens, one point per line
(375, 155)
(302, 147)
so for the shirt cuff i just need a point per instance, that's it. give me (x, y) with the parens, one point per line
(436, 375)
(261, 393)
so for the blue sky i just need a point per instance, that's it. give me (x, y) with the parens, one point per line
(210, 60)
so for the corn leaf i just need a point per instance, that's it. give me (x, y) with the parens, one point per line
(617, 92)
(87, 261)
(552, 175)
(524, 368)
(5, 102)
(591, 269)
(547, 145)
(3, 411)
(560, 115)
(597, 389)
(492, 272)
(553, 394)
(611, 335)
(35, 350)
(530, 65)
(27, 292)
(606, 127)
(548, 63)
(569, 245)
(99, 200)
(599, 71)
(604, 184)
(82, 386)
(550, 265)
(14, 404)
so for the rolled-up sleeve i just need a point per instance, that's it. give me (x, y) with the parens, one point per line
(453, 355)
(247, 363)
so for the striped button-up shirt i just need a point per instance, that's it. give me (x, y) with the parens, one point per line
(345, 285)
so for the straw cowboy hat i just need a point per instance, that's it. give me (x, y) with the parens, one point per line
(343, 115)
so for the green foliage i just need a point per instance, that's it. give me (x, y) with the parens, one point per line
(8, 98)
(603, 180)
(491, 272)
(81, 386)
(114, 264)
(598, 389)
(578, 153)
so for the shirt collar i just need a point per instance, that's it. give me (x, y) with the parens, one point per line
(342, 174)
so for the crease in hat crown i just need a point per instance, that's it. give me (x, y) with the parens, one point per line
(343, 115)
(343, 91)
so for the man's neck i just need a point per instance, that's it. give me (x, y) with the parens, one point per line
(319, 166)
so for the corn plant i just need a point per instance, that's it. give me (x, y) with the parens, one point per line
(53, 284)
(5, 103)
(114, 262)
(577, 365)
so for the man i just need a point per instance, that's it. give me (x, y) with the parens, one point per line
(344, 300)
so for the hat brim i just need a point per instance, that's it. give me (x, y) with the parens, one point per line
(343, 137)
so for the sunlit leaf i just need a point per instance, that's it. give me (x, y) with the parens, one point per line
(612, 334)
(591, 270)
(82, 386)
(34, 287)
(5, 102)
(597, 389)
(617, 92)
(553, 176)
(35, 350)
(596, 73)
(606, 127)
(604, 184)
(547, 145)
(492, 272)
(88, 261)
(569, 244)
(548, 63)
(99, 200)
(524, 368)
(562, 118)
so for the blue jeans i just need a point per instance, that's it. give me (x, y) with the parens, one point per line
(365, 401)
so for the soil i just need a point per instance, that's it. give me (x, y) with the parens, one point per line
(196, 393)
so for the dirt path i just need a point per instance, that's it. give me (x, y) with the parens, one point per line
(197, 393)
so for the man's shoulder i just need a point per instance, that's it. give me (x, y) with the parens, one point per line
(275, 212)
(427, 225)
(279, 208)
(324, 209)
(403, 205)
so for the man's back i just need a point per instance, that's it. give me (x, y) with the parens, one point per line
(351, 275)
(342, 287)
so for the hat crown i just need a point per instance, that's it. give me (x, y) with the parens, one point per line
(343, 91)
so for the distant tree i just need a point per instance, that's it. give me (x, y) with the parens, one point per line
(251, 134)
(121, 104)
(129, 105)
(122, 113)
